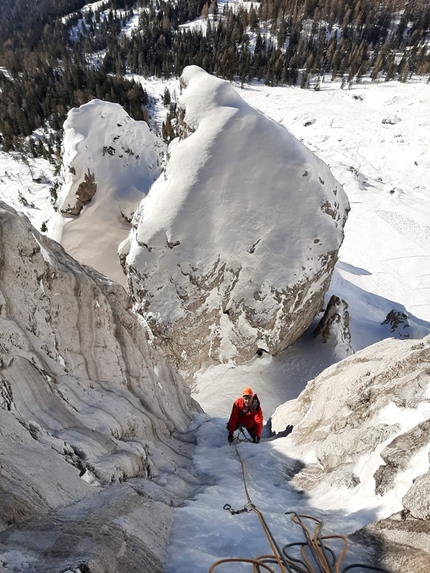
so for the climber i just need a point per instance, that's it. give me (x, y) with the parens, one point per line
(246, 412)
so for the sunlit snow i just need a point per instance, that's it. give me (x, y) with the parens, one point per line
(384, 264)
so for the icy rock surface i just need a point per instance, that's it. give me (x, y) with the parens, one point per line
(90, 417)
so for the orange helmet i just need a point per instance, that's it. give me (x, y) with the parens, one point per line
(247, 392)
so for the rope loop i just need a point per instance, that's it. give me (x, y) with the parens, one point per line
(311, 555)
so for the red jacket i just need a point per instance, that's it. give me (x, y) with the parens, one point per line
(251, 417)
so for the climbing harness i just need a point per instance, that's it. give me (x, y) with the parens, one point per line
(241, 436)
(313, 555)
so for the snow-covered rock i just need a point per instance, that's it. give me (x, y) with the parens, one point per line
(109, 163)
(366, 423)
(90, 415)
(391, 120)
(334, 327)
(399, 324)
(233, 248)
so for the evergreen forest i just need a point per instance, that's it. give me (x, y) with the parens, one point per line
(59, 54)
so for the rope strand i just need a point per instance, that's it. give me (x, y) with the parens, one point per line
(323, 557)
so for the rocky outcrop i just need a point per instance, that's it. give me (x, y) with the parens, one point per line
(334, 326)
(416, 501)
(90, 415)
(84, 193)
(401, 543)
(232, 251)
(367, 419)
(397, 456)
(399, 323)
(110, 532)
(391, 120)
(109, 162)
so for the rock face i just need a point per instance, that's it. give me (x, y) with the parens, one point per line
(84, 193)
(334, 326)
(399, 323)
(89, 413)
(232, 250)
(109, 163)
(367, 419)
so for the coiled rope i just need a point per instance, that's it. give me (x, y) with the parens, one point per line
(316, 557)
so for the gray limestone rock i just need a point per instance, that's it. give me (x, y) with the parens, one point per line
(334, 326)
(232, 251)
(399, 324)
(397, 455)
(116, 530)
(84, 193)
(417, 500)
(373, 406)
(401, 543)
(86, 404)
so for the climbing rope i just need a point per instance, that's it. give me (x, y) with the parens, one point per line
(259, 561)
(314, 555)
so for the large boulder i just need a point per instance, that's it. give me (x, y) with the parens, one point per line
(232, 250)
(90, 417)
